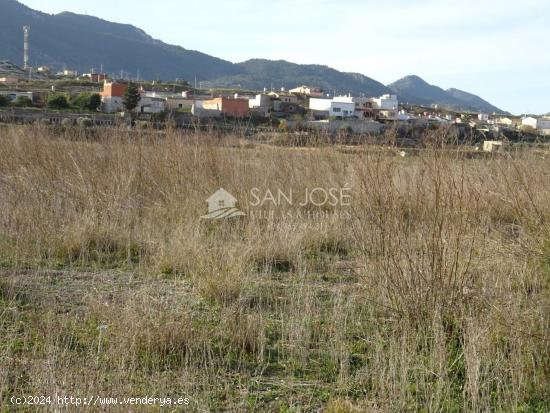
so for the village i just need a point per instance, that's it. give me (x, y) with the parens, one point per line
(95, 99)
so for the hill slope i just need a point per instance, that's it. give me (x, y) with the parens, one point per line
(472, 101)
(413, 89)
(260, 73)
(82, 42)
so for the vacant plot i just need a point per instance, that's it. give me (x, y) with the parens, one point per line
(428, 289)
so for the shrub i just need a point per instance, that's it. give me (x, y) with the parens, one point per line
(67, 123)
(85, 122)
(4, 101)
(86, 101)
(58, 102)
(23, 102)
(529, 130)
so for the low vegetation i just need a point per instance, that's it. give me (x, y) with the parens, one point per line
(433, 294)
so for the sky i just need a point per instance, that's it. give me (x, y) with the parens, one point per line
(497, 49)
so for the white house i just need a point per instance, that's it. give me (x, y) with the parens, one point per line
(70, 73)
(385, 102)
(341, 106)
(504, 121)
(259, 101)
(284, 97)
(307, 91)
(383, 107)
(151, 104)
(342, 109)
(530, 121)
(387, 106)
(542, 125)
(483, 117)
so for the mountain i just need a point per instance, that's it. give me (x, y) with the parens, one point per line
(84, 42)
(260, 73)
(412, 89)
(473, 102)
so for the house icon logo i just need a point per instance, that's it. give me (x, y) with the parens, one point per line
(221, 205)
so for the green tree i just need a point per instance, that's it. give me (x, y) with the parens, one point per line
(58, 102)
(86, 101)
(95, 101)
(4, 101)
(131, 97)
(23, 102)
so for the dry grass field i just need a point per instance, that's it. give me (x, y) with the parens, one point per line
(432, 295)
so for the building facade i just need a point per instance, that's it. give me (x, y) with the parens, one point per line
(343, 110)
(542, 125)
(260, 101)
(111, 96)
(308, 91)
(237, 108)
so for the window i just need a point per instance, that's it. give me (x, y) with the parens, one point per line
(336, 110)
(221, 204)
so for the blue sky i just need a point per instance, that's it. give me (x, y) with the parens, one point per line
(498, 49)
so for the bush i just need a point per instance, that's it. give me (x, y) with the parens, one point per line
(529, 130)
(67, 123)
(23, 102)
(86, 101)
(85, 122)
(58, 102)
(4, 101)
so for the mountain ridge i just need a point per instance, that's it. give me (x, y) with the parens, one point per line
(415, 90)
(83, 42)
(284, 74)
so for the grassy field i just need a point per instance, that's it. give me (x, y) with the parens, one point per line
(430, 294)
